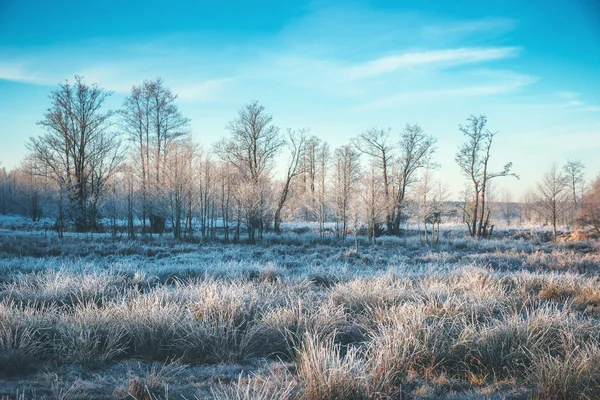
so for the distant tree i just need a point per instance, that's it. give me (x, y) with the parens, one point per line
(296, 143)
(552, 197)
(573, 171)
(376, 143)
(507, 206)
(208, 179)
(178, 182)
(252, 146)
(136, 121)
(473, 157)
(527, 205)
(306, 185)
(129, 182)
(252, 201)
(374, 202)
(34, 184)
(438, 207)
(226, 178)
(79, 148)
(346, 179)
(421, 204)
(589, 213)
(430, 203)
(415, 152)
(4, 196)
(152, 121)
(323, 159)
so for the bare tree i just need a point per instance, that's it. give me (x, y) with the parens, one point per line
(573, 171)
(36, 185)
(416, 151)
(251, 199)
(4, 192)
(473, 157)
(376, 143)
(130, 199)
(209, 193)
(323, 156)
(422, 203)
(226, 176)
(152, 122)
(251, 148)
(178, 182)
(347, 171)
(589, 214)
(296, 143)
(430, 202)
(254, 142)
(438, 207)
(375, 203)
(78, 147)
(552, 197)
(135, 122)
(507, 206)
(306, 187)
(526, 209)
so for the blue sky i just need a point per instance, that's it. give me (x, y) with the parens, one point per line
(533, 67)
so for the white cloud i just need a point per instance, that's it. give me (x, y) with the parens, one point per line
(498, 82)
(465, 28)
(567, 95)
(458, 56)
(572, 100)
(201, 91)
(18, 72)
(591, 108)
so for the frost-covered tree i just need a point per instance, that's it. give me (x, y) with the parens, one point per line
(346, 169)
(296, 141)
(374, 201)
(377, 144)
(573, 171)
(79, 149)
(321, 204)
(552, 197)
(473, 159)
(226, 177)
(251, 148)
(152, 121)
(415, 152)
(178, 183)
(589, 214)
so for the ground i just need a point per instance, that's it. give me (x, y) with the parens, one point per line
(89, 316)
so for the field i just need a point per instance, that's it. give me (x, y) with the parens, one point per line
(91, 317)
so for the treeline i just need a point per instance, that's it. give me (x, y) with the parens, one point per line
(140, 169)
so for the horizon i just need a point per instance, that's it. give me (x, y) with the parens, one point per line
(336, 68)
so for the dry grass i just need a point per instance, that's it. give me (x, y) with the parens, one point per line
(456, 324)
(326, 374)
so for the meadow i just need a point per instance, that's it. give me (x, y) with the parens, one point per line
(512, 317)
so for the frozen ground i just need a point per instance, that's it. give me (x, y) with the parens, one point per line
(93, 317)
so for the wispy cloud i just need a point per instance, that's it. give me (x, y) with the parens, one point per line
(497, 84)
(470, 27)
(201, 91)
(573, 100)
(591, 108)
(19, 72)
(120, 76)
(458, 56)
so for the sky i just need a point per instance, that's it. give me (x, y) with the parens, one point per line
(337, 68)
